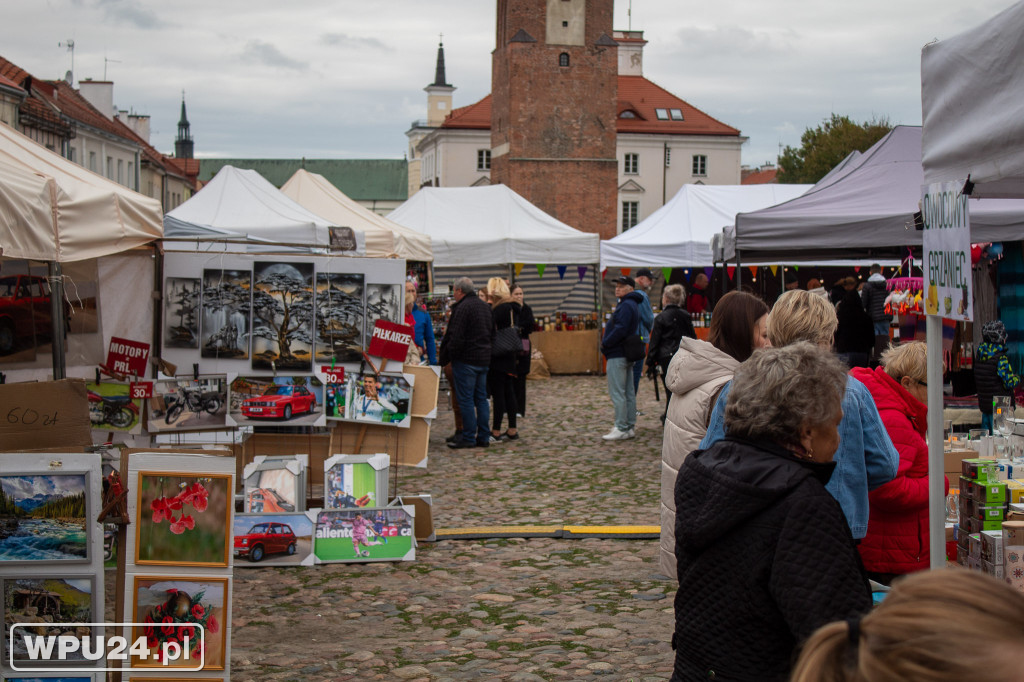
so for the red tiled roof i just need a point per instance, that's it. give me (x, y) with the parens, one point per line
(761, 177)
(7, 82)
(71, 103)
(637, 94)
(13, 72)
(186, 166)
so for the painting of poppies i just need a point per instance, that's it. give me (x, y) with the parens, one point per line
(183, 519)
(172, 609)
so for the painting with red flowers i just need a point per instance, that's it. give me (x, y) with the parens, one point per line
(188, 611)
(183, 519)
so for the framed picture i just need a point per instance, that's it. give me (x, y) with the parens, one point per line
(291, 400)
(181, 312)
(111, 408)
(282, 308)
(339, 317)
(183, 519)
(44, 518)
(51, 677)
(383, 398)
(226, 302)
(383, 302)
(54, 602)
(187, 404)
(181, 599)
(364, 535)
(275, 485)
(356, 481)
(273, 539)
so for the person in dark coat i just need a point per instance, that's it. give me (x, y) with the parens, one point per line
(764, 555)
(624, 322)
(855, 335)
(526, 325)
(501, 376)
(671, 325)
(993, 374)
(467, 345)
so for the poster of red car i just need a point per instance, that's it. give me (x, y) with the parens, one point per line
(295, 400)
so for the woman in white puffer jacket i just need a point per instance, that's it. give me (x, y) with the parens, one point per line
(697, 373)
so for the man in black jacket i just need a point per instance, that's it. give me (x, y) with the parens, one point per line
(671, 325)
(467, 345)
(873, 297)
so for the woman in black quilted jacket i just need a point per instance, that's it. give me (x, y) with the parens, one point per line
(764, 555)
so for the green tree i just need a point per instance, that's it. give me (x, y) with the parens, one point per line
(822, 148)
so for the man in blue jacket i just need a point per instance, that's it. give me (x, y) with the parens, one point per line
(624, 322)
(644, 280)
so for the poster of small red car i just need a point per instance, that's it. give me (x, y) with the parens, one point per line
(279, 402)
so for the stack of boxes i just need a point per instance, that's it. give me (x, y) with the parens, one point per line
(987, 539)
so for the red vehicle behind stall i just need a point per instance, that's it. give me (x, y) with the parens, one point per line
(24, 311)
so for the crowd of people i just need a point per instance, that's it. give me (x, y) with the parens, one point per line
(794, 473)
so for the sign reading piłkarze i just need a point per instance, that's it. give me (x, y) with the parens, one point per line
(947, 251)
(390, 340)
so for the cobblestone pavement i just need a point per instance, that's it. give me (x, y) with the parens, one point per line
(497, 609)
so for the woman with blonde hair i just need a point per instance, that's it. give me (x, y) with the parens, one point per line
(764, 554)
(897, 537)
(866, 457)
(935, 626)
(501, 376)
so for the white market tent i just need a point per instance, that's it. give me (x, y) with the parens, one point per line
(384, 238)
(867, 212)
(679, 233)
(242, 206)
(55, 210)
(470, 226)
(972, 101)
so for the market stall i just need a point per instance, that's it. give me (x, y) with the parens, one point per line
(483, 232)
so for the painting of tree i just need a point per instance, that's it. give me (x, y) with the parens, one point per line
(339, 317)
(181, 312)
(383, 302)
(226, 296)
(282, 306)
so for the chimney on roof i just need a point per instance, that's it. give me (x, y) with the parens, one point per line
(100, 94)
(631, 52)
(139, 123)
(439, 93)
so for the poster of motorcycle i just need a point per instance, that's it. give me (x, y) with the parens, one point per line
(112, 409)
(187, 404)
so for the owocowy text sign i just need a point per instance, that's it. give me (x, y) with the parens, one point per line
(947, 251)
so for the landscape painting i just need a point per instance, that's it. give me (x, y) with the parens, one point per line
(383, 302)
(226, 297)
(54, 603)
(282, 308)
(44, 517)
(181, 312)
(182, 519)
(339, 317)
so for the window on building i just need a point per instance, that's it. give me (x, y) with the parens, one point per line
(72, 155)
(677, 114)
(668, 156)
(563, 59)
(630, 214)
(120, 171)
(627, 114)
(700, 164)
(110, 167)
(662, 114)
(632, 164)
(483, 159)
(131, 174)
(92, 161)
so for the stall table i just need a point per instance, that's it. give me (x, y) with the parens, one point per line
(565, 352)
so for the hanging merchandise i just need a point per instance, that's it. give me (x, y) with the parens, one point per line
(905, 298)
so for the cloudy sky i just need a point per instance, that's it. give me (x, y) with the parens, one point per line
(344, 79)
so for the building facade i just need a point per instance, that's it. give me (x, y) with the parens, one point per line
(660, 141)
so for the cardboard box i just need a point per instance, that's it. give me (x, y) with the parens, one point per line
(989, 494)
(990, 512)
(992, 546)
(966, 487)
(954, 461)
(44, 415)
(995, 570)
(1015, 491)
(974, 550)
(961, 555)
(976, 525)
(979, 469)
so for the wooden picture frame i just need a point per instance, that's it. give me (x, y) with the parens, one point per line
(73, 599)
(198, 524)
(185, 599)
(29, 502)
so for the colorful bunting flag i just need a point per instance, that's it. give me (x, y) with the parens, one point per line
(729, 269)
(604, 273)
(518, 268)
(666, 273)
(582, 271)
(753, 270)
(561, 271)
(540, 270)
(626, 271)
(774, 269)
(710, 272)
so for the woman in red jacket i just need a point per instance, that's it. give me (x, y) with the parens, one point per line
(897, 539)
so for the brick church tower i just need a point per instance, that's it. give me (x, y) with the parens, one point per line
(554, 88)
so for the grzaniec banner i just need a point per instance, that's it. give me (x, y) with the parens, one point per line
(948, 288)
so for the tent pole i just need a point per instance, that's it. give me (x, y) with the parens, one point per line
(936, 458)
(57, 321)
(739, 271)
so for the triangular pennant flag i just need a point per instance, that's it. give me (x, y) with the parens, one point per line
(540, 270)
(730, 269)
(561, 272)
(796, 268)
(604, 273)
(774, 269)
(518, 268)
(582, 271)
(856, 268)
(710, 272)
(666, 273)
(626, 271)
(753, 270)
